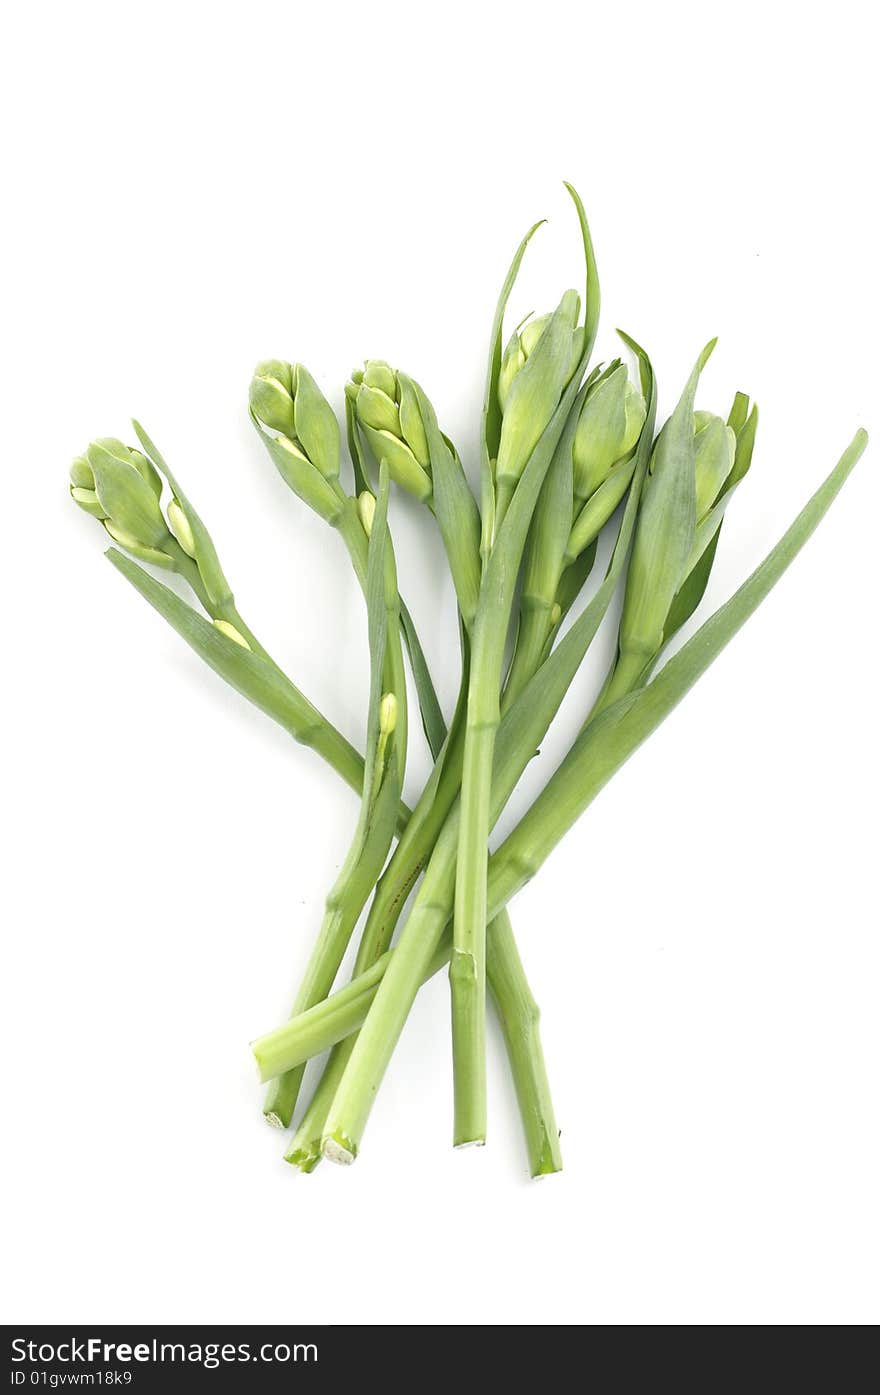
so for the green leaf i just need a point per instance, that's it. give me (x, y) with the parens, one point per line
(377, 599)
(316, 424)
(551, 522)
(612, 737)
(592, 294)
(745, 445)
(694, 588)
(575, 577)
(738, 412)
(362, 480)
(490, 432)
(456, 509)
(208, 562)
(429, 707)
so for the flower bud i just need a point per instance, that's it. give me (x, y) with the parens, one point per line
(379, 374)
(610, 423)
(285, 398)
(522, 343)
(387, 714)
(124, 493)
(180, 527)
(388, 413)
(366, 507)
(231, 633)
(271, 395)
(536, 369)
(714, 451)
(131, 544)
(81, 476)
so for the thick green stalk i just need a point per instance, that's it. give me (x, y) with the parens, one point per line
(343, 907)
(335, 1024)
(520, 732)
(350, 529)
(506, 520)
(414, 847)
(603, 746)
(535, 625)
(375, 828)
(317, 1026)
(394, 886)
(520, 1021)
(515, 1006)
(468, 967)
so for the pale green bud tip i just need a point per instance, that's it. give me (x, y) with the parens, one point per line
(108, 448)
(525, 340)
(379, 374)
(366, 507)
(555, 614)
(81, 475)
(88, 500)
(375, 408)
(610, 424)
(278, 369)
(387, 408)
(231, 633)
(271, 395)
(136, 547)
(387, 714)
(180, 527)
(714, 455)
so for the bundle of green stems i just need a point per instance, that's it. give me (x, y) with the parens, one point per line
(567, 452)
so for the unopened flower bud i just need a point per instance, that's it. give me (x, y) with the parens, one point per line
(387, 714)
(714, 451)
(523, 343)
(366, 507)
(180, 527)
(388, 413)
(120, 486)
(285, 398)
(231, 633)
(537, 367)
(610, 423)
(271, 395)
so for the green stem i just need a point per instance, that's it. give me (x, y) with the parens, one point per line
(520, 1020)
(503, 966)
(369, 848)
(531, 640)
(602, 747)
(468, 971)
(400, 876)
(344, 905)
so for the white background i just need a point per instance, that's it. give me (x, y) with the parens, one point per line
(195, 186)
